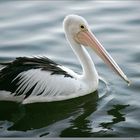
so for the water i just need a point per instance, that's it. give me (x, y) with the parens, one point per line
(30, 28)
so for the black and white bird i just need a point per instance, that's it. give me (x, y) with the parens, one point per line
(39, 79)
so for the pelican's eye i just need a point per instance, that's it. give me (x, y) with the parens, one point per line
(82, 27)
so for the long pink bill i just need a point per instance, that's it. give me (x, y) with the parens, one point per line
(87, 38)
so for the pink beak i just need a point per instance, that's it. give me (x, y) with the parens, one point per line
(87, 38)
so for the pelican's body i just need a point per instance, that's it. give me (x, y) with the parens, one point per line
(41, 80)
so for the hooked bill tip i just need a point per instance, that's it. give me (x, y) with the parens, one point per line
(129, 82)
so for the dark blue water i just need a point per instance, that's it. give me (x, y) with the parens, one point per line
(30, 28)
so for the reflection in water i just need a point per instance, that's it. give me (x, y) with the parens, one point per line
(117, 116)
(10, 111)
(39, 115)
(104, 124)
(80, 125)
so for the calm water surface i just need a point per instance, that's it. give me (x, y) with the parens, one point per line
(30, 28)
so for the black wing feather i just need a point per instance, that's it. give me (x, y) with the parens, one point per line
(21, 64)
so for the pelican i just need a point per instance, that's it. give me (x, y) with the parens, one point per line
(39, 79)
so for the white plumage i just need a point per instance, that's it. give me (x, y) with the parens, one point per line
(49, 87)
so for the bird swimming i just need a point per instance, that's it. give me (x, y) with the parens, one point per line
(39, 79)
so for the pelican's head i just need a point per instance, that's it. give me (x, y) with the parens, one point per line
(73, 24)
(78, 31)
